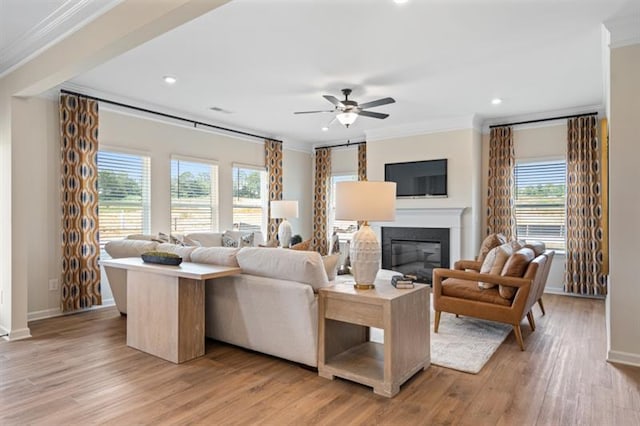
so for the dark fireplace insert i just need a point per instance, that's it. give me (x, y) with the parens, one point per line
(415, 251)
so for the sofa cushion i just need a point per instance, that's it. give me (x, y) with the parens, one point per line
(129, 248)
(490, 242)
(494, 262)
(225, 256)
(303, 246)
(291, 265)
(515, 266)
(331, 265)
(470, 290)
(183, 251)
(205, 239)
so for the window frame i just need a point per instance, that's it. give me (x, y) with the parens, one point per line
(543, 160)
(264, 194)
(215, 197)
(146, 188)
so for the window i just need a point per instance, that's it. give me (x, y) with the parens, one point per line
(123, 195)
(249, 198)
(343, 228)
(194, 195)
(540, 202)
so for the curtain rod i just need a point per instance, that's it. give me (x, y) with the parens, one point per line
(543, 119)
(342, 144)
(162, 114)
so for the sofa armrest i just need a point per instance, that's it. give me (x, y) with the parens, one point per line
(462, 265)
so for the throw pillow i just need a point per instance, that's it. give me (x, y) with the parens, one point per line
(515, 266)
(247, 240)
(494, 262)
(538, 247)
(489, 243)
(227, 241)
(331, 265)
(302, 246)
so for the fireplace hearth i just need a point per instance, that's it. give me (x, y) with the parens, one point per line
(415, 251)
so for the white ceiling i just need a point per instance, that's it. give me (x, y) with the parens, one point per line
(442, 60)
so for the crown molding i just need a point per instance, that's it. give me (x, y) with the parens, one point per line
(420, 128)
(624, 29)
(600, 109)
(63, 21)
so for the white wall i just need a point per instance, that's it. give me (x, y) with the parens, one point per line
(36, 182)
(623, 301)
(461, 148)
(539, 142)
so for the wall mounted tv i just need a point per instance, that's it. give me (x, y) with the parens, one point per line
(418, 178)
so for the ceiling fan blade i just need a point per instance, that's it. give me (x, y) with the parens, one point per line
(334, 100)
(311, 112)
(379, 102)
(373, 114)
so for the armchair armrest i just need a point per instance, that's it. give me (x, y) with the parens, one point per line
(441, 273)
(461, 265)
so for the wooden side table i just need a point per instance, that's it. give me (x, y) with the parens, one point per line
(345, 315)
(165, 306)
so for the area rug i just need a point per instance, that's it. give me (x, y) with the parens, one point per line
(465, 344)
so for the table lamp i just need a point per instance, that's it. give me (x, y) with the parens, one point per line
(284, 209)
(366, 201)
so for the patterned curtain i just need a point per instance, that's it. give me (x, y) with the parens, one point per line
(80, 247)
(362, 167)
(319, 241)
(501, 188)
(273, 160)
(584, 268)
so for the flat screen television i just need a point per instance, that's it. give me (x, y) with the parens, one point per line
(418, 178)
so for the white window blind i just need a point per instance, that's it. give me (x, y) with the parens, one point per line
(343, 228)
(123, 195)
(194, 196)
(540, 202)
(249, 198)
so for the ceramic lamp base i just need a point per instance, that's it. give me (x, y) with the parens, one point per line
(284, 233)
(365, 255)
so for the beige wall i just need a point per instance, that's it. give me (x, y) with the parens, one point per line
(541, 142)
(624, 174)
(36, 176)
(461, 148)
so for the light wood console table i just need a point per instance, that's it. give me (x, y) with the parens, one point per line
(403, 314)
(165, 306)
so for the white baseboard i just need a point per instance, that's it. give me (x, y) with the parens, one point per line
(23, 333)
(56, 312)
(623, 358)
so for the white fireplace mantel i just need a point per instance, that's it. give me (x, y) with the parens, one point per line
(450, 218)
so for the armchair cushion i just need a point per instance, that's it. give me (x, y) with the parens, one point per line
(490, 242)
(463, 289)
(515, 267)
(494, 263)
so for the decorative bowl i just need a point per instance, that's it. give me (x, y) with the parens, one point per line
(161, 258)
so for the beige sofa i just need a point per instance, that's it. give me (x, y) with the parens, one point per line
(271, 307)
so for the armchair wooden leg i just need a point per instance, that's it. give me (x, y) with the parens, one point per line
(518, 332)
(457, 316)
(436, 322)
(541, 306)
(532, 321)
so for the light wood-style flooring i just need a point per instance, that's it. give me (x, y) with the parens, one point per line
(77, 369)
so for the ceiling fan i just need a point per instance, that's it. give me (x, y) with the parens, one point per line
(348, 110)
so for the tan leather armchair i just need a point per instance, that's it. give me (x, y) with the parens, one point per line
(456, 291)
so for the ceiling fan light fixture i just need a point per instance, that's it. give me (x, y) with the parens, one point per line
(347, 118)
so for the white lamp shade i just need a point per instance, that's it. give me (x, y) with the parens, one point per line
(366, 200)
(284, 209)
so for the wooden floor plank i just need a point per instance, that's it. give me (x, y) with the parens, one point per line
(77, 369)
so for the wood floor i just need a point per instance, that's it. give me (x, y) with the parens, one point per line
(78, 370)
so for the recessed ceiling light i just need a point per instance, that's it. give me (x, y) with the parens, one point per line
(400, 1)
(496, 101)
(169, 79)
(325, 129)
